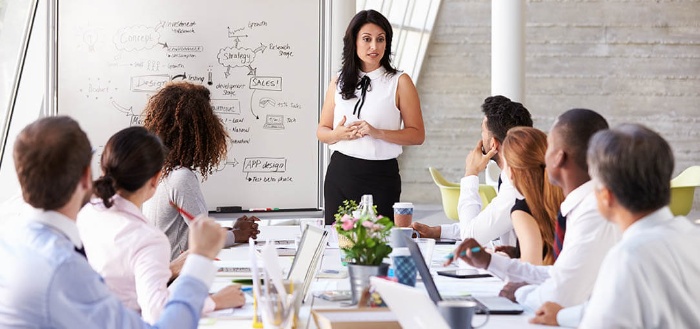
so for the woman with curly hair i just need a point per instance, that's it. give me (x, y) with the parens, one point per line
(534, 216)
(181, 115)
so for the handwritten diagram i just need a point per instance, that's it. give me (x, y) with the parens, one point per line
(260, 64)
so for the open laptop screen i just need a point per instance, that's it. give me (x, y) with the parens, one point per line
(306, 259)
(490, 304)
(423, 270)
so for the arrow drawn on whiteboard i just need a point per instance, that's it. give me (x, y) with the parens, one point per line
(222, 166)
(265, 101)
(164, 44)
(251, 104)
(260, 49)
(126, 111)
(183, 76)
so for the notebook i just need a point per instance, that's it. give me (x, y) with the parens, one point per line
(487, 304)
(413, 309)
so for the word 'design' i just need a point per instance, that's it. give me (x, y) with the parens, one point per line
(266, 83)
(146, 83)
(264, 165)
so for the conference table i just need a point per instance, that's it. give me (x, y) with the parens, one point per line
(240, 318)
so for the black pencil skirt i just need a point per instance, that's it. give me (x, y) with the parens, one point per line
(348, 178)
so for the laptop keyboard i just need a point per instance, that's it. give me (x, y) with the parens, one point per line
(234, 269)
(480, 308)
(458, 298)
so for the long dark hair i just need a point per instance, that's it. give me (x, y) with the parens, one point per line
(351, 63)
(131, 157)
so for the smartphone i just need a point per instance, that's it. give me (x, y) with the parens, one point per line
(445, 241)
(464, 274)
(336, 295)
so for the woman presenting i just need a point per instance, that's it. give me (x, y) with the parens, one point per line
(362, 118)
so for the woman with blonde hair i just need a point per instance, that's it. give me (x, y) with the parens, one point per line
(534, 216)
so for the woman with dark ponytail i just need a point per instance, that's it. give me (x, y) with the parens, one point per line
(132, 256)
(371, 111)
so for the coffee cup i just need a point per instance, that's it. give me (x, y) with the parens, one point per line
(403, 214)
(459, 313)
(404, 269)
(398, 235)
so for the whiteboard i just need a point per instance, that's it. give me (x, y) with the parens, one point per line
(261, 60)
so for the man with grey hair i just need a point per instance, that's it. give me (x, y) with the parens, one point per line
(649, 279)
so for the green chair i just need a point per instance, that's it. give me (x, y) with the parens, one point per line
(683, 190)
(449, 192)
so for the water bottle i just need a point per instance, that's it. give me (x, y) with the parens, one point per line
(367, 207)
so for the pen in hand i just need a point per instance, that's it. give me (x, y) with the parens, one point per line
(182, 211)
(464, 253)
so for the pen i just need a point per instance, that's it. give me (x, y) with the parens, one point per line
(247, 289)
(464, 253)
(182, 211)
(262, 209)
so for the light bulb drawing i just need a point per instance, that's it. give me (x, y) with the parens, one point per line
(90, 38)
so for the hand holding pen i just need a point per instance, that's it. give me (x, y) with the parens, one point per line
(472, 253)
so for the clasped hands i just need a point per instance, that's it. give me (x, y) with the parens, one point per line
(355, 130)
(245, 228)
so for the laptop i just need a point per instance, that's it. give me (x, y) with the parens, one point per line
(412, 307)
(486, 304)
(306, 258)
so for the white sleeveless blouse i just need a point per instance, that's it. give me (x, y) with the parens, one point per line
(379, 110)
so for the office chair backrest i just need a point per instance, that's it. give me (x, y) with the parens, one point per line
(683, 190)
(449, 192)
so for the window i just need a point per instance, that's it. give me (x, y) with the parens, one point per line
(16, 19)
(412, 21)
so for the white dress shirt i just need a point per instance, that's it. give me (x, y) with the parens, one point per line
(45, 283)
(491, 223)
(648, 280)
(132, 256)
(570, 280)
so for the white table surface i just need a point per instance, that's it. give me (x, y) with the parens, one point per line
(331, 260)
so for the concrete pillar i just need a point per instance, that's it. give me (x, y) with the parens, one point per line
(508, 49)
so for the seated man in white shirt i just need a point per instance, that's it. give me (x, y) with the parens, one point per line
(45, 281)
(650, 278)
(500, 114)
(588, 236)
